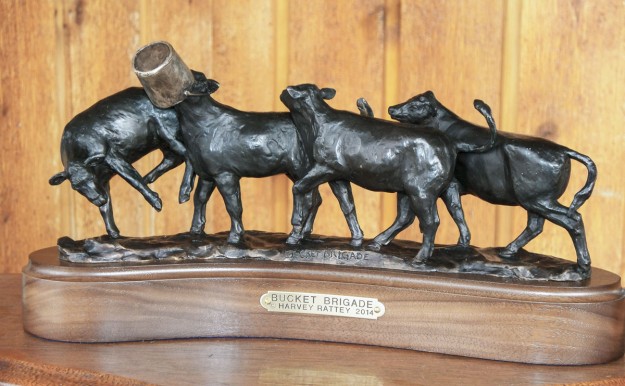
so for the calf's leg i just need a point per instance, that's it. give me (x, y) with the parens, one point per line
(534, 227)
(559, 215)
(451, 198)
(170, 161)
(301, 206)
(167, 132)
(202, 194)
(343, 192)
(132, 176)
(301, 216)
(106, 210)
(316, 200)
(405, 217)
(228, 186)
(424, 206)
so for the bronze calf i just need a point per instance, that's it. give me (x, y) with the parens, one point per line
(519, 170)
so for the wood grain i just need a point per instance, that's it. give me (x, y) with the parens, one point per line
(491, 318)
(32, 213)
(269, 361)
(572, 90)
(244, 60)
(19, 372)
(459, 61)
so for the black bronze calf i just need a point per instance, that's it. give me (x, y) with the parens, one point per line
(520, 170)
(225, 144)
(377, 155)
(108, 137)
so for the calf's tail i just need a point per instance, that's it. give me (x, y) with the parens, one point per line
(364, 108)
(583, 195)
(484, 109)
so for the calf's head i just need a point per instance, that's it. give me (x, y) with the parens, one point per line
(83, 180)
(418, 109)
(203, 85)
(300, 96)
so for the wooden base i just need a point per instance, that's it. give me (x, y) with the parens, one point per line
(481, 317)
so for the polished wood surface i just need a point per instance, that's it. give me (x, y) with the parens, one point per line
(17, 372)
(555, 70)
(269, 361)
(475, 316)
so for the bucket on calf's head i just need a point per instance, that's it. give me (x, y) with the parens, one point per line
(164, 76)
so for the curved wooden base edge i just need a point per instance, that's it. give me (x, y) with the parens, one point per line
(543, 323)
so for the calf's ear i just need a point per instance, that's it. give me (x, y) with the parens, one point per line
(327, 93)
(199, 76)
(293, 92)
(213, 85)
(58, 178)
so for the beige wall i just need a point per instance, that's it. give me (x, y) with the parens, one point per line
(550, 68)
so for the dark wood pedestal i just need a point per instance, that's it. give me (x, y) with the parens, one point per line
(492, 318)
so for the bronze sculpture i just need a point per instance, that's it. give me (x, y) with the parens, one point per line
(378, 155)
(108, 137)
(519, 170)
(432, 153)
(225, 144)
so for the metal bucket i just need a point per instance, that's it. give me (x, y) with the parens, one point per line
(162, 73)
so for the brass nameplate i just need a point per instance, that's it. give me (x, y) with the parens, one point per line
(322, 304)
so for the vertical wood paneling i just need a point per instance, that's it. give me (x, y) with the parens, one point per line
(392, 17)
(244, 60)
(349, 56)
(505, 230)
(29, 122)
(282, 186)
(101, 38)
(188, 26)
(572, 90)
(454, 49)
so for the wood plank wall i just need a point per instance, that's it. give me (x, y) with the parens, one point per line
(552, 68)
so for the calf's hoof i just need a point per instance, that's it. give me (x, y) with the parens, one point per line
(418, 261)
(234, 238)
(355, 242)
(196, 230)
(185, 192)
(183, 197)
(584, 269)
(507, 254)
(156, 202)
(374, 246)
(464, 242)
(113, 233)
(294, 239)
(422, 257)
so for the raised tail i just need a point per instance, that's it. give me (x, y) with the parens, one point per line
(583, 195)
(364, 108)
(484, 109)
